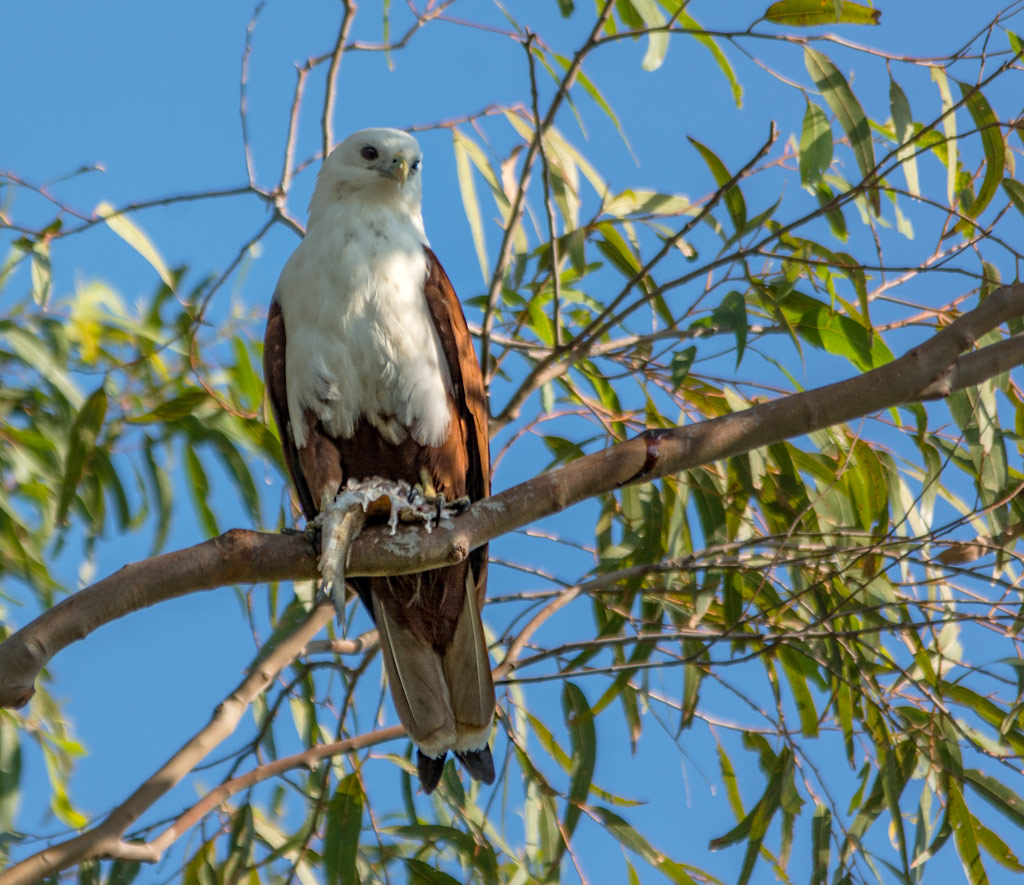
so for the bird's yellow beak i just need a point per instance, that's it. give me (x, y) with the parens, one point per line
(399, 169)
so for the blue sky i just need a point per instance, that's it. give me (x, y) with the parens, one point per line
(150, 93)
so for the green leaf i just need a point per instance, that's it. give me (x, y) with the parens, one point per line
(81, 443)
(964, 835)
(629, 838)
(163, 492)
(123, 872)
(997, 794)
(175, 409)
(593, 92)
(341, 838)
(842, 336)
(32, 351)
(733, 197)
(815, 145)
(10, 771)
(421, 873)
(755, 825)
(836, 91)
(679, 368)
(240, 845)
(199, 488)
(612, 245)
(687, 21)
(476, 855)
(996, 848)
(1015, 191)
(821, 844)
(580, 721)
(732, 314)
(991, 140)
(801, 693)
(239, 470)
(807, 13)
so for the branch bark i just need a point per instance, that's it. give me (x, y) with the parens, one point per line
(105, 839)
(932, 369)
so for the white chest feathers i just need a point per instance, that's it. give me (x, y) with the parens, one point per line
(360, 338)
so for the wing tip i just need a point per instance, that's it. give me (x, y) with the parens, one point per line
(429, 769)
(479, 764)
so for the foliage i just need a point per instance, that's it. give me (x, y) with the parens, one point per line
(836, 614)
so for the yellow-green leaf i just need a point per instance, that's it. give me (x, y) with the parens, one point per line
(949, 127)
(469, 201)
(341, 840)
(903, 124)
(135, 237)
(807, 13)
(657, 41)
(815, 145)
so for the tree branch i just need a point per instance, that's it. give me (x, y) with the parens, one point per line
(327, 120)
(152, 851)
(519, 200)
(106, 838)
(932, 369)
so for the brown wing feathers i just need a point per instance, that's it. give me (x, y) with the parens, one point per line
(432, 639)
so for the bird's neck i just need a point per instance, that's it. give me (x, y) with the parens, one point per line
(330, 205)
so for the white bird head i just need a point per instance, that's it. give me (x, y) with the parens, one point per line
(381, 166)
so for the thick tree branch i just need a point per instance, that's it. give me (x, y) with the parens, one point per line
(236, 557)
(106, 838)
(932, 369)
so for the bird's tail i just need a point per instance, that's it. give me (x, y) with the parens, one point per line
(445, 699)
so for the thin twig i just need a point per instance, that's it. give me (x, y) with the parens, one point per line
(556, 264)
(243, 104)
(327, 120)
(519, 201)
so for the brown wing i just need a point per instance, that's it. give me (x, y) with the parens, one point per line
(274, 375)
(468, 382)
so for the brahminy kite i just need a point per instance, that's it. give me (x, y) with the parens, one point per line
(371, 373)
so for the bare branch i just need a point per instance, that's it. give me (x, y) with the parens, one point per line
(235, 557)
(154, 850)
(549, 206)
(243, 101)
(519, 201)
(327, 121)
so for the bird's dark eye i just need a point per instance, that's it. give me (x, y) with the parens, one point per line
(369, 152)
(415, 167)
